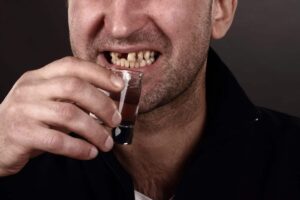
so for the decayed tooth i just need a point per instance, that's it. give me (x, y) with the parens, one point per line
(131, 57)
(140, 56)
(115, 59)
(147, 55)
(143, 63)
(126, 63)
(118, 62)
(114, 55)
(123, 60)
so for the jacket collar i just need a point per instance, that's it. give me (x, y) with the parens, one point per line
(227, 104)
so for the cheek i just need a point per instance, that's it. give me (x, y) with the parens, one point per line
(170, 17)
(183, 22)
(83, 19)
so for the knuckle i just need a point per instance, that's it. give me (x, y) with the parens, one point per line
(65, 64)
(53, 142)
(27, 75)
(92, 131)
(109, 108)
(84, 124)
(68, 60)
(18, 91)
(66, 112)
(72, 85)
(22, 90)
(107, 105)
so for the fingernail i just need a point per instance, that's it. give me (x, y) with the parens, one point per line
(109, 143)
(116, 119)
(93, 152)
(116, 80)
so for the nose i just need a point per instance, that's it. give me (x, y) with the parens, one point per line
(125, 17)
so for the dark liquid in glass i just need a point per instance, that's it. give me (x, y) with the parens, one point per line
(123, 134)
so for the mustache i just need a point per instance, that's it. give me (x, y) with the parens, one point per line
(158, 38)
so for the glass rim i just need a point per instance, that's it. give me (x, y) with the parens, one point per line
(135, 73)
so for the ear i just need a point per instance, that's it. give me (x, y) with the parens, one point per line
(222, 16)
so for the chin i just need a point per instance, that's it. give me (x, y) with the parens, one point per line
(146, 107)
(150, 103)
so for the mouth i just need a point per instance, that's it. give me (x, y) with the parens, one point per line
(136, 59)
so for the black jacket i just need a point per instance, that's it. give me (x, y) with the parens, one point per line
(246, 153)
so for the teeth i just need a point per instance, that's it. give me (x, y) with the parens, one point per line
(118, 62)
(149, 62)
(152, 54)
(147, 55)
(143, 63)
(133, 59)
(114, 55)
(140, 56)
(131, 64)
(123, 62)
(126, 63)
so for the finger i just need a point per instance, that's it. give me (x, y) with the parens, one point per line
(55, 142)
(33, 139)
(66, 116)
(95, 74)
(83, 94)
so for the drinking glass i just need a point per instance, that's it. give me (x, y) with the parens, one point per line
(128, 104)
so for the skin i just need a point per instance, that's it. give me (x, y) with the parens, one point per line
(46, 104)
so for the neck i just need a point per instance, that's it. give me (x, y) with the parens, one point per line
(163, 141)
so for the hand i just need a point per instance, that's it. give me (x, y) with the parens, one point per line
(46, 104)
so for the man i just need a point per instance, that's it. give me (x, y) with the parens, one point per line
(197, 135)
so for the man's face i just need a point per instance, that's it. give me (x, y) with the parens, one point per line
(176, 32)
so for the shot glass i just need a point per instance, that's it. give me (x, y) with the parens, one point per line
(128, 105)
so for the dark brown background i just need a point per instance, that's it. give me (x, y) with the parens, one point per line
(262, 48)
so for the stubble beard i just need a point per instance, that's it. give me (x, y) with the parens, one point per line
(180, 74)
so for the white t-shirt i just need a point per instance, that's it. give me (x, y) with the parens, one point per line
(140, 196)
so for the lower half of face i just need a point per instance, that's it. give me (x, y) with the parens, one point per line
(182, 56)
